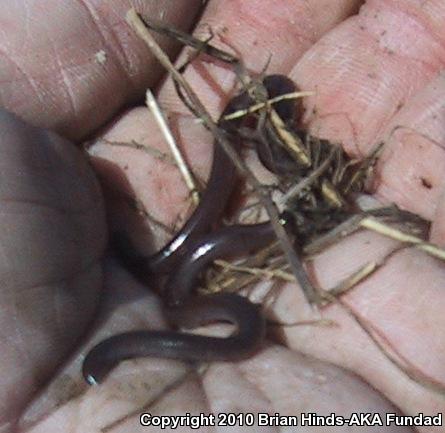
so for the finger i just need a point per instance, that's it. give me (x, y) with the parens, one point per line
(70, 66)
(52, 239)
(260, 34)
(410, 169)
(367, 69)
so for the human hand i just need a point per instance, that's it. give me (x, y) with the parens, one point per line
(346, 68)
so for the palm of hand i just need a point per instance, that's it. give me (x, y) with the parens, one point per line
(368, 79)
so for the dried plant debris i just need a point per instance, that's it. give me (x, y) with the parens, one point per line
(176, 152)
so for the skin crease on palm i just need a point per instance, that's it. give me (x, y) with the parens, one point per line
(371, 72)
